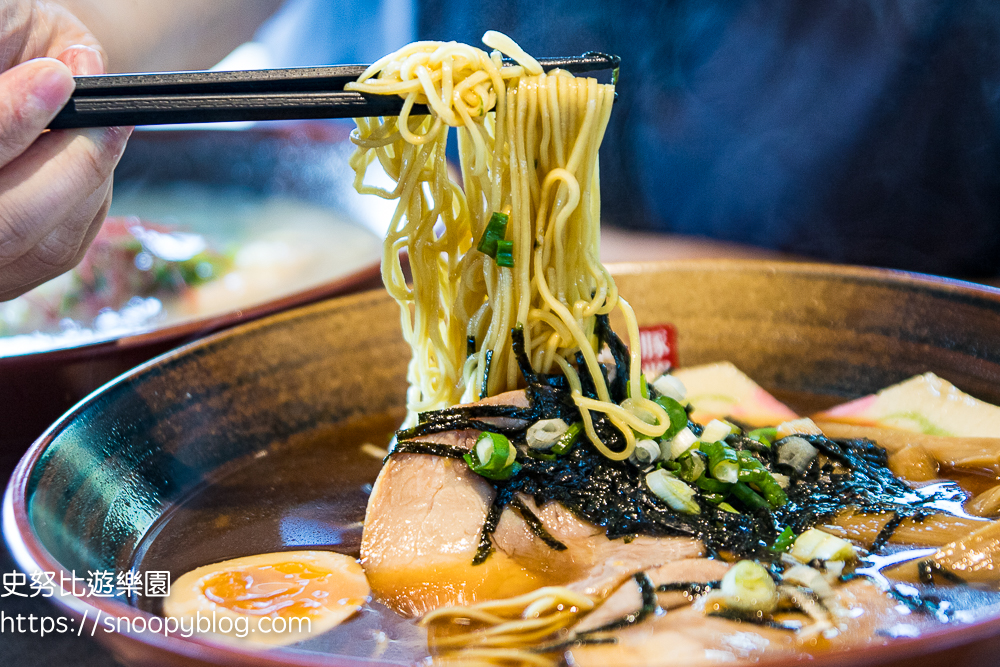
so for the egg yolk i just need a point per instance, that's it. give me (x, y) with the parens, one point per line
(288, 589)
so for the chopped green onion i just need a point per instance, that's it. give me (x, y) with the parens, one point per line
(672, 491)
(673, 466)
(646, 452)
(797, 453)
(815, 543)
(749, 497)
(764, 436)
(748, 586)
(669, 386)
(716, 430)
(753, 471)
(495, 231)
(784, 540)
(545, 433)
(692, 466)
(709, 485)
(493, 457)
(677, 414)
(729, 508)
(676, 446)
(505, 254)
(567, 439)
(722, 461)
(714, 498)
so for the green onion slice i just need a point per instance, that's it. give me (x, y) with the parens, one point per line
(784, 541)
(764, 436)
(677, 414)
(567, 439)
(709, 485)
(753, 471)
(496, 230)
(749, 497)
(722, 461)
(505, 253)
(672, 491)
(493, 457)
(692, 466)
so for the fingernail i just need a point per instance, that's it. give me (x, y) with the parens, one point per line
(51, 87)
(83, 60)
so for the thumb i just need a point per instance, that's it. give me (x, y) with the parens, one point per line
(31, 94)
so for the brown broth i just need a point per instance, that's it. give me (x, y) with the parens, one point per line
(313, 494)
(310, 494)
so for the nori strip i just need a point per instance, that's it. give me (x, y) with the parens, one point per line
(535, 525)
(523, 363)
(503, 497)
(864, 483)
(689, 588)
(751, 617)
(486, 372)
(648, 592)
(619, 352)
(432, 448)
(928, 569)
(927, 604)
(886, 533)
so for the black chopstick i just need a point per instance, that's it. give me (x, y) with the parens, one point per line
(276, 94)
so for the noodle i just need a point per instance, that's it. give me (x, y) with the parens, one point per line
(528, 144)
(508, 629)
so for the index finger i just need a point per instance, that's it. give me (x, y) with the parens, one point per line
(53, 29)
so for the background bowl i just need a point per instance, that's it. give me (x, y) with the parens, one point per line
(90, 490)
(216, 183)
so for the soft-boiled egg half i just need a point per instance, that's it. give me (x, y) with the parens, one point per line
(277, 598)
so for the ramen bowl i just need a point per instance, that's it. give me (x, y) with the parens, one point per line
(250, 440)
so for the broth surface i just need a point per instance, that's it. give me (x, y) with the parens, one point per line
(307, 495)
(313, 494)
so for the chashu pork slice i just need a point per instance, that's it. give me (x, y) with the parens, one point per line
(687, 636)
(424, 523)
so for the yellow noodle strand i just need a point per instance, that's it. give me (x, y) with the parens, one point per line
(528, 146)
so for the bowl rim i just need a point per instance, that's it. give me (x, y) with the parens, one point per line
(312, 131)
(31, 555)
(198, 326)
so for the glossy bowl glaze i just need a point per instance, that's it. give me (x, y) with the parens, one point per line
(88, 492)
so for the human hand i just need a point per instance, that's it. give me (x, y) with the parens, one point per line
(55, 186)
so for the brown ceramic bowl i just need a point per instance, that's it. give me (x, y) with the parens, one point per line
(159, 172)
(99, 487)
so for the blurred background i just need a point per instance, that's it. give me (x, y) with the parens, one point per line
(849, 130)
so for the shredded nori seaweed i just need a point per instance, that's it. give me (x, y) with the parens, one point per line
(856, 475)
(929, 569)
(689, 588)
(649, 604)
(620, 353)
(613, 494)
(432, 448)
(535, 525)
(752, 617)
(486, 372)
